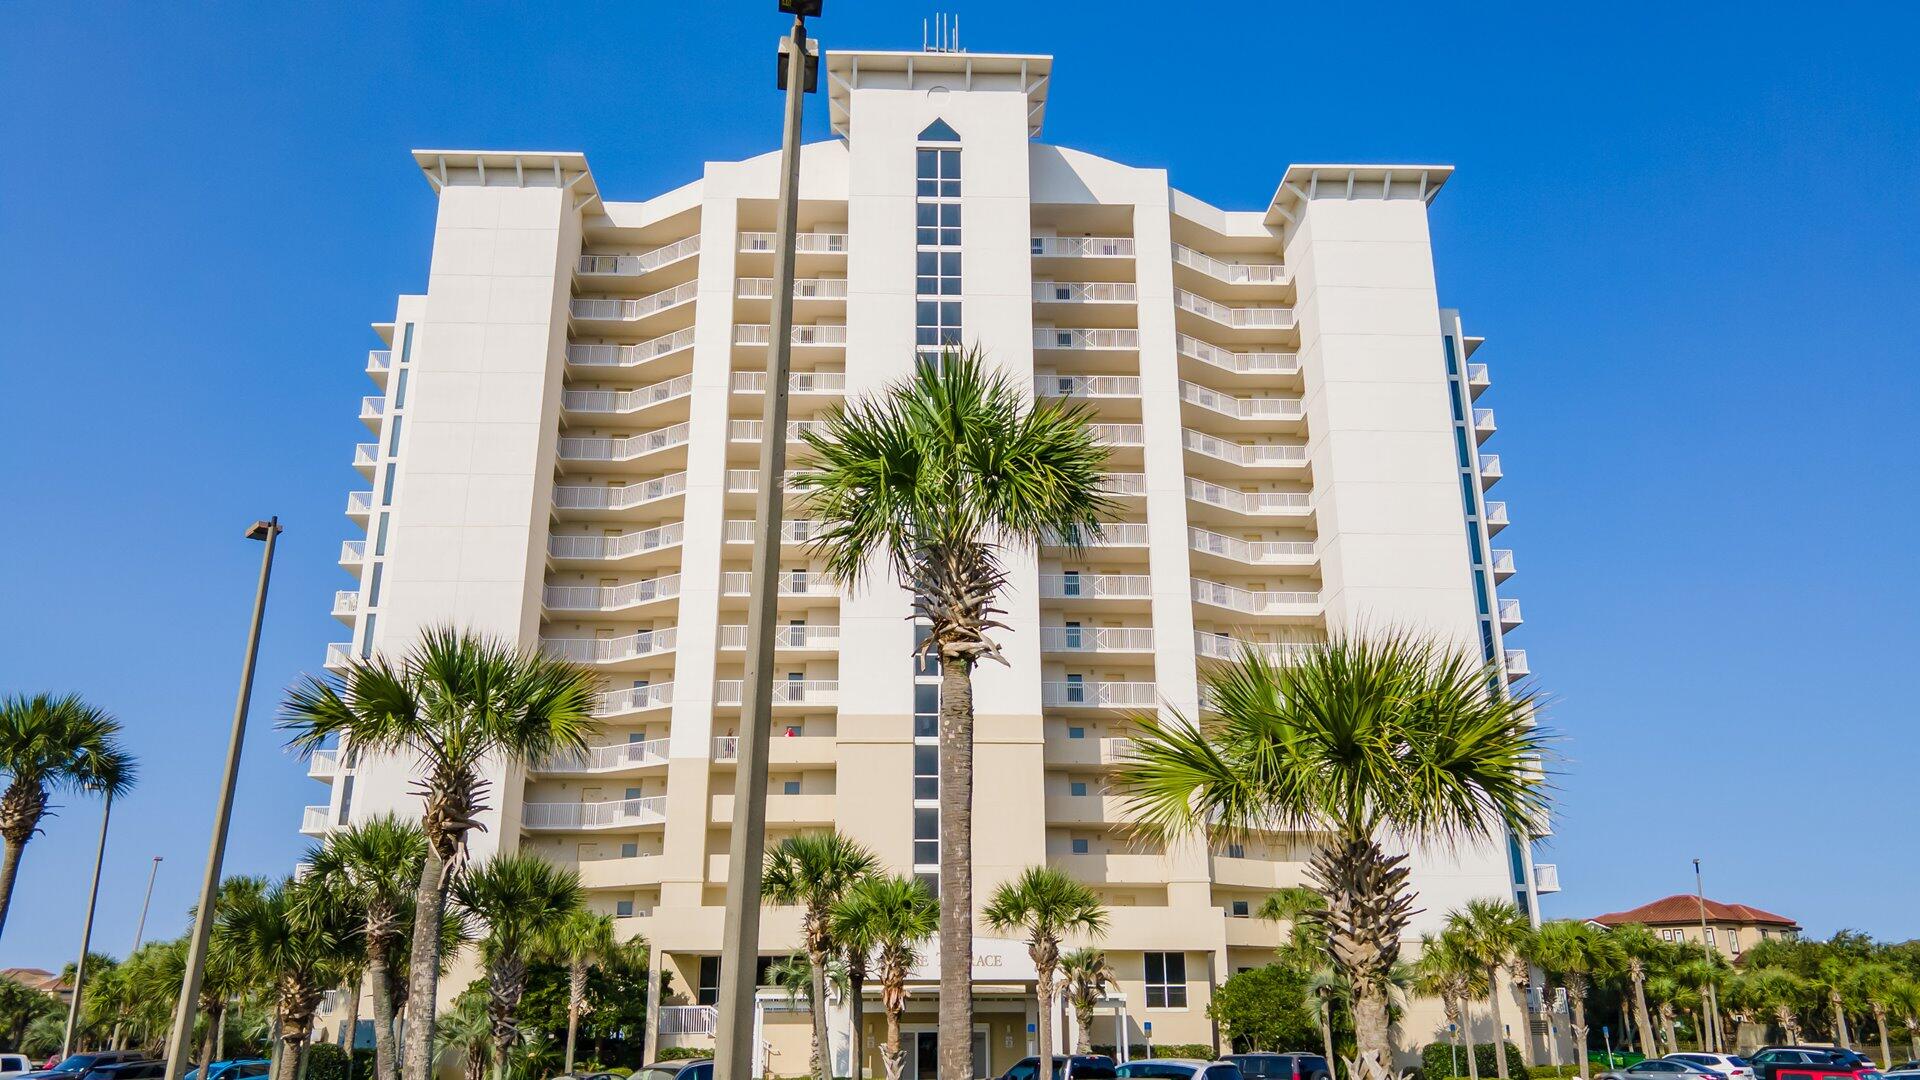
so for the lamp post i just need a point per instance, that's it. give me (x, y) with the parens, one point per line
(740, 941)
(1711, 998)
(183, 1010)
(86, 933)
(140, 928)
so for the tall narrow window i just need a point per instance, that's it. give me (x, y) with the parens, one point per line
(937, 258)
(406, 342)
(380, 536)
(386, 489)
(400, 389)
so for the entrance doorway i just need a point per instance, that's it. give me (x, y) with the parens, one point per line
(923, 1053)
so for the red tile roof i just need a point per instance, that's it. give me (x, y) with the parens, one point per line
(1682, 908)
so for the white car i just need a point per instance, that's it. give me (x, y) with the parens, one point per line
(12, 1065)
(1177, 1069)
(1735, 1068)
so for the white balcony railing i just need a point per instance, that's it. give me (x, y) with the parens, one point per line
(1098, 695)
(1248, 502)
(1095, 586)
(1240, 363)
(1119, 434)
(808, 334)
(1252, 455)
(379, 359)
(626, 356)
(1502, 561)
(1287, 408)
(346, 601)
(1490, 467)
(352, 552)
(1510, 614)
(610, 548)
(598, 759)
(368, 453)
(1496, 514)
(614, 649)
(1086, 386)
(1116, 484)
(785, 692)
(359, 503)
(806, 243)
(1546, 877)
(799, 382)
(1098, 247)
(688, 1019)
(1083, 292)
(1092, 639)
(373, 407)
(785, 637)
(632, 699)
(792, 583)
(617, 310)
(339, 655)
(1112, 534)
(749, 430)
(1225, 647)
(612, 597)
(1253, 552)
(1483, 421)
(626, 448)
(1261, 317)
(313, 820)
(1067, 338)
(594, 815)
(792, 531)
(1516, 662)
(760, 288)
(747, 481)
(626, 401)
(1264, 602)
(624, 497)
(324, 764)
(646, 262)
(1233, 273)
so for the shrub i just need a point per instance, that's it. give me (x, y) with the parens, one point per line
(1438, 1058)
(1264, 1008)
(326, 1061)
(1136, 1051)
(676, 1053)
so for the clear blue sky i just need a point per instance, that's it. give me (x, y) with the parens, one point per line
(1689, 233)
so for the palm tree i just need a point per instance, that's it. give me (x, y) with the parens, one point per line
(1874, 984)
(1359, 737)
(1300, 910)
(581, 940)
(1578, 954)
(466, 1030)
(936, 479)
(1665, 992)
(227, 976)
(1831, 981)
(1086, 974)
(457, 702)
(1781, 991)
(1046, 905)
(893, 914)
(813, 871)
(1903, 1000)
(1449, 970)
(1324, 987)
(50, 744)
(1638, 948)
(1494, 932)
(293, 940)
(375, 863)
(515, 903)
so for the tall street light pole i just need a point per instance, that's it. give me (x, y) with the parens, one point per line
(1712, 999)
(183, 1010)
(140, 928)
(740, 943)
(86, 933)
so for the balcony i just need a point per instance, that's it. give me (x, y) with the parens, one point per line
(824, 335)
(798, 382)
(1297, 604)
(630, 356)
(372, 410)
(1084, 339)
(339, 655)
(1064, 809)
(1073, 753)
(618, 814)
(1250, 503)
(1087, 387)
(748, 431)
(612, 597)
(1230, 273)
(1083, 292)
(324, 764)
(1477, 380)
(1113, 534)
(782, 809)
(793, 531)
(728, 692)
(1100, 639)
(1510, 615)
(352, 554)
(827, 288)
(1097, 695)
(627, 402)
(610, 309)
(313, 821)
(689, 1019)
(1546, 878)
(747, 481)
(1117, 436)
(622, 497)
(606, 549)
(615, 758)
(1077, 586)
(379, 362)
(1083, 247)
(359, 505)
(346, 604)
(365, 456)
(792, 583)
(1239, 363)
(1245, 455)
(1245, 873)
(1224, 647)
(1124, 485)
(613, 650)
(786, 639)
(1490, 473)
(1502, 564)
(635, 265)
(633, 699)
(1252, 552)
(1258, 317)
(1483, 425)
(1262, 410)
(782, 749)
(624, 448)
(1113, 868)
(1496, 516)
(1516, 663)
(806, 243)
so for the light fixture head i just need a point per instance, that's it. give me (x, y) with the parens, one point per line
(806, 9)
(260, 530)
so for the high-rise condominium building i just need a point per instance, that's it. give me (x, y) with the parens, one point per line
(564, 449)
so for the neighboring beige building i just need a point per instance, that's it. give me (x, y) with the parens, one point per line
(564, 448)
(1730, 928)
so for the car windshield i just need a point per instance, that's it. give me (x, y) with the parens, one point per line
(1154, 1070)
(77, 1063)
(1263, 1065)
(1086, 1070)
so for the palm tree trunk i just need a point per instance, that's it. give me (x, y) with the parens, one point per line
(1499, 1025)
(380, 976)
(895, 1059)
(220, 1034)
(9, 872)
(1640, 1009)
(576, 989)
(817, 991)
(1913, 1041)
(1466, 1036)
(1886, 1049)
(423, 974)
(1043, 991)
(1840, 1022)
(856, 1020)
(1326, 1031)
(1673, 1040)
(1577, 997)
(206, 1041)
(353, 1021)
(290, 1034)
(956, 871)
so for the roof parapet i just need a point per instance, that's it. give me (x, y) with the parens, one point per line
(565, 169)
(1303, 183)
(849, 71)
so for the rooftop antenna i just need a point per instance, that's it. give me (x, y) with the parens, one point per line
(944, 35)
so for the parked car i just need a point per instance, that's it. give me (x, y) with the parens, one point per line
(1178, 1069)
(1065, 1067)
(1662, 1069)
(1906, 1070)
(131, 1070)
(236, 1069)
(12, 1065)
(82, 1066)
(683, 1069)
(1811, 1063)
(1733, 1068)
(1289, 1066)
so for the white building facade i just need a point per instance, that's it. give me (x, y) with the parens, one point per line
(563, 455)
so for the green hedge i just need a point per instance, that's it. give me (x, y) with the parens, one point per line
(326, 1061)
(1437, 1060)
(1136, 1051)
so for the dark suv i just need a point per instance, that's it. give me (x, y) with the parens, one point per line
(1292, 1066)
(1810, 1063)
(1065, 1067)
(79, 1066)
